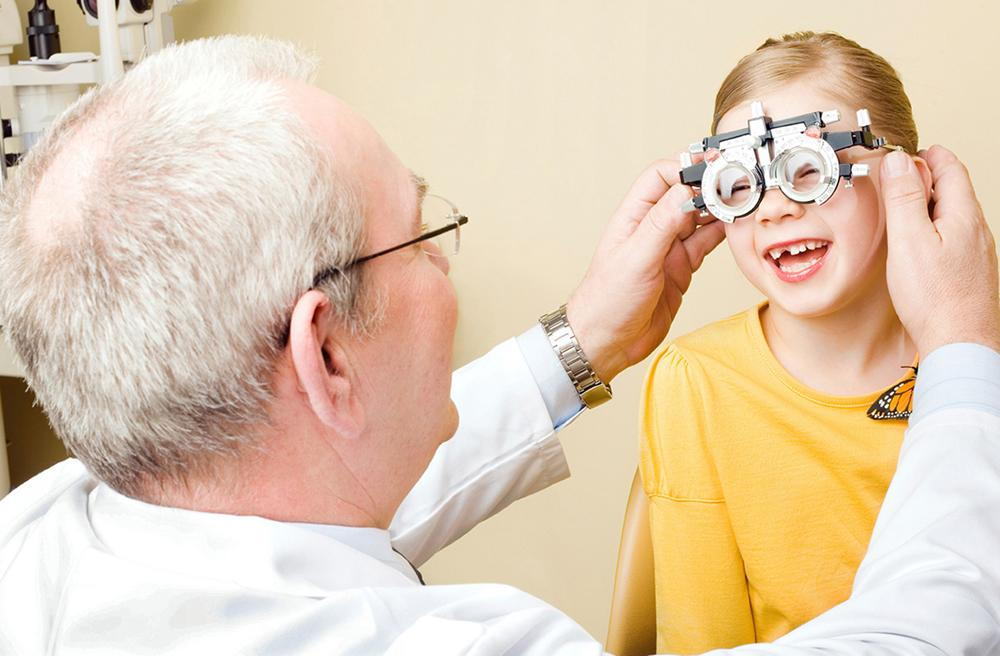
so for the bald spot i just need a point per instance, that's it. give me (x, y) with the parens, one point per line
(62, 191)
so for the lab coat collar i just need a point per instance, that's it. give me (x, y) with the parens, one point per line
(254, 552)
(376, 542)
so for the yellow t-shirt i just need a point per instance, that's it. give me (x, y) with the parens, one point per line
(763, 492)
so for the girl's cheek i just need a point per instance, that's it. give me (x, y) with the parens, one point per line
(732, 230)
(739, 236)
(854, 215)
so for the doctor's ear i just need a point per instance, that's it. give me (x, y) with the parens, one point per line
(322, 369)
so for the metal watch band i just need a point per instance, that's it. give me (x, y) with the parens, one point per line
(592, 390)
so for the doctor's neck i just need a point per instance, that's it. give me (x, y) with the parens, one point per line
(295, 472)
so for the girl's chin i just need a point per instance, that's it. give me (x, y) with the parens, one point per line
(805, 304)
(829, 293)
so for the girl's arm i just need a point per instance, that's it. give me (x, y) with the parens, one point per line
(702, 600)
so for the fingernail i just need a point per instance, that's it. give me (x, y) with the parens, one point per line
(897, 163)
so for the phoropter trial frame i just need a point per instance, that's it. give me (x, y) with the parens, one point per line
(759, 149)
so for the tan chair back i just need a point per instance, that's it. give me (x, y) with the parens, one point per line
(632, 629)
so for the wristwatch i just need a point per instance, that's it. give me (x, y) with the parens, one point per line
(592, 390)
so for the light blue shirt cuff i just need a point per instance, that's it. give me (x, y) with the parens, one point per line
(561, 399)
(957, 376)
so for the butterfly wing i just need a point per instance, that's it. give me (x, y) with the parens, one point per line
(896, 402)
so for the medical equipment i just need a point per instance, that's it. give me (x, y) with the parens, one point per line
(791, 154)
(34, 92)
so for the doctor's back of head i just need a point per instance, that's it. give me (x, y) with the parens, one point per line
(154, 249)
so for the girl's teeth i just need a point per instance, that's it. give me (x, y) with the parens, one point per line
(795, 249)
(797, 268)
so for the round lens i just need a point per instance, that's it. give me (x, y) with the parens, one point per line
(803, 174)
(734, 186)
(437, 213)
(443, 245)
(731, 185)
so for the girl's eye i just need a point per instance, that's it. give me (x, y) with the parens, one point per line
(732, 182)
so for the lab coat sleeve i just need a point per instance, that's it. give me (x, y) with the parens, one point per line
(505, 448)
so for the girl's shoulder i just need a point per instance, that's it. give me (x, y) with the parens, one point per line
(684, 398)
(725, 342)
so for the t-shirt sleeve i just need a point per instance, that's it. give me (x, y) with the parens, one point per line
(702, 601)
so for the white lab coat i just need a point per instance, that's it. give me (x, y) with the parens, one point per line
(85, 570)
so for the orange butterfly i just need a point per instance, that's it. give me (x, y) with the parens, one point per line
(897, 401)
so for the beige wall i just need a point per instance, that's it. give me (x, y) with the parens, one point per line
(534, 116)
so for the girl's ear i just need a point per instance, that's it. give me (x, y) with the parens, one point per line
(925, 176)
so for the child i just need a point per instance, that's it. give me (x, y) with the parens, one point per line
(763, 470)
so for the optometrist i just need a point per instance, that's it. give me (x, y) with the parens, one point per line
(234, 321)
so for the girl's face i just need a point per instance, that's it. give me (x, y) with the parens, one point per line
(842, 242)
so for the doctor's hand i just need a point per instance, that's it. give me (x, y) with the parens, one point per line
(942, 263)
(630, 295)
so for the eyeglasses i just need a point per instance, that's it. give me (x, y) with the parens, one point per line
(441, 223)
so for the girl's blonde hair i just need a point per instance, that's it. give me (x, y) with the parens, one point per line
(850, 73)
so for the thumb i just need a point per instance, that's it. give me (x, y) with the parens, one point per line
(904, 199)
(663, 224)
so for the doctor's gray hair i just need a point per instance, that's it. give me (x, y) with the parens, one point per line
(150, 309)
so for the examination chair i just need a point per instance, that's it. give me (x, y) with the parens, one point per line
(632, 629)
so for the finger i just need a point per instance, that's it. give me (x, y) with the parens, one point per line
(674, 289)
(664, 224)
(904, 200)
(936, 154)
(659, 323)
(646, 191)
(702, 242)
(954, 196)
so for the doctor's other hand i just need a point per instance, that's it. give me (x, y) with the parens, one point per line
(643, 264)
(942, 263)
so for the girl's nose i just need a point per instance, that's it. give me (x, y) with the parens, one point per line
(776, 207)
